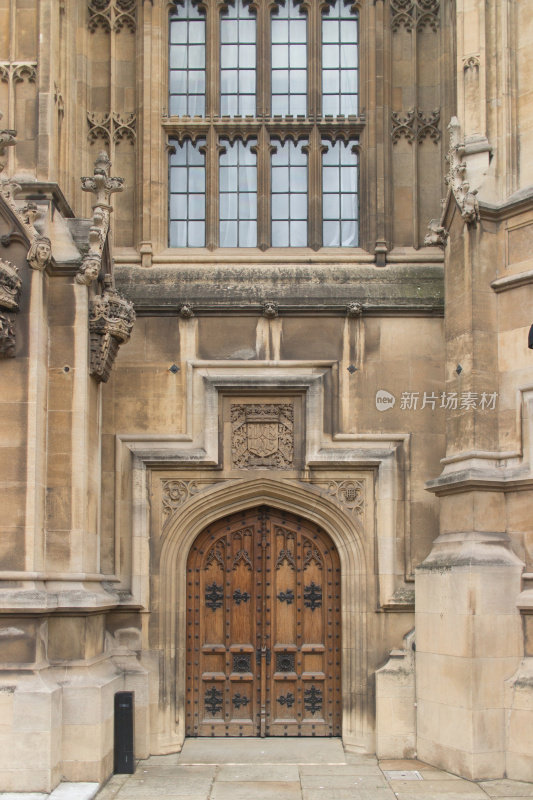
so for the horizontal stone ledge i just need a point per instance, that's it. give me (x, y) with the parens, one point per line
(295, 288)
(479, 480)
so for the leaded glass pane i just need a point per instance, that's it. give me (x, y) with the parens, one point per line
(339, 60)
(289, 195)
(288, 60)
(186, 61)
(187, 195)
(238, 195)
(237, 61)
(339, 195)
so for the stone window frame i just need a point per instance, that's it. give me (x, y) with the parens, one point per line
(265, 130)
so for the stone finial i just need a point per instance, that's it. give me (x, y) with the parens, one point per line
(102, 186)
(465, 198)
(270, 309)
(354, 310)
(111, 319)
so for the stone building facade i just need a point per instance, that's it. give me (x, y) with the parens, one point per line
(363, 395)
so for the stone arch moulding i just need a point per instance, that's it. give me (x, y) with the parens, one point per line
(306, 501)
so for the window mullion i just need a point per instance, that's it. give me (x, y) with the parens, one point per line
(263, 151)
(212, 57)
(314, 59)
(211, 210)
(263, 58)
(314, 157)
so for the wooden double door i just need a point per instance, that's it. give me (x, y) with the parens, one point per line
(263, 628)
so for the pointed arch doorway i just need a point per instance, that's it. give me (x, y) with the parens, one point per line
(263, 628)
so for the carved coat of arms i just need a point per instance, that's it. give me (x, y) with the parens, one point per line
(262, 435)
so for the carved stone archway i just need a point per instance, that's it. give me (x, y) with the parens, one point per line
(301, 499)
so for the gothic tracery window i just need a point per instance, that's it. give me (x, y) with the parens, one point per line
(263, 124)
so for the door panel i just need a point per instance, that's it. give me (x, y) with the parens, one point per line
(263, 628)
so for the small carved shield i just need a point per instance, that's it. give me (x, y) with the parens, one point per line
(262, 438)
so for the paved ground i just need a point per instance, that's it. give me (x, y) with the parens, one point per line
(293, 769)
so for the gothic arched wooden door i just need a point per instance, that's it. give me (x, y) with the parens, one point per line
(263, 628)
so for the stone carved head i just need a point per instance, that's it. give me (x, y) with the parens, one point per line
(90, 269)
(40, 253)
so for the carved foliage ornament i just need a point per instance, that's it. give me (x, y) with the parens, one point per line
(10, 286)
(111, 319)
(175, 493)
(456, 178)
(350, 493)
(112, 126)
(458, 186)
(112, 15)
(262, 435)
(414, 14)
(416, 127)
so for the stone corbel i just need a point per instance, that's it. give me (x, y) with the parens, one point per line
(10, 286)
(102, 187)
(111, 319)
(464, 197)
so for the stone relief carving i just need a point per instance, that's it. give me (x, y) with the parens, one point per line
(10, 286)
(414, 14)
(102, 187)
(437, 236)
(175, 493)
(111, 319)
(471, 62)
(458, 186)
(349, 493)
(112, 15)
(466, 199)
(262, 435)
(415, 126)
(18, 71)
(112, 127)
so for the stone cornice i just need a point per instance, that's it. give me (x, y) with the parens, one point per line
(301, 289)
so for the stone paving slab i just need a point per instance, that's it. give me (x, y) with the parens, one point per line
(248, 790)
(291, 769)
(505, 788)
(258, 772)
(261, 751)
(442, 788)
